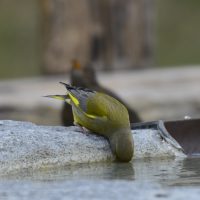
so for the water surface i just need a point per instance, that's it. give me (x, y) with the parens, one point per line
(143, 178)
(167, 172)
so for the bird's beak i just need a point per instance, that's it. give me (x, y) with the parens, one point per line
(59, 97)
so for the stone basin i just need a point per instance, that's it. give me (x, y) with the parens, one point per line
(25, 145)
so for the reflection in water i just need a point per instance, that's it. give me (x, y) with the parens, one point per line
(190, 172)
(124, 171)
(171, 172)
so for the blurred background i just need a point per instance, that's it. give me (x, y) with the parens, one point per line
(146, 51)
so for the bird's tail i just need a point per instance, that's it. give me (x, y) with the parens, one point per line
(68, 87)
(60, 97)
(68, 97)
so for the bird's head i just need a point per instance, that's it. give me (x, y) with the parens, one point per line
(122, 145)
(76, 64)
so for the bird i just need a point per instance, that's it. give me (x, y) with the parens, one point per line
(86, 77)
(103, 115)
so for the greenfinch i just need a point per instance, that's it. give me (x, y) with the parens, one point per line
(103, 115)
(86, 77)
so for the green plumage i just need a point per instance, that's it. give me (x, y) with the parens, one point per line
(108, 114)
(104, 115)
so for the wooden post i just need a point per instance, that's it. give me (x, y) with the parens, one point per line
(116, 33)
(66, 33)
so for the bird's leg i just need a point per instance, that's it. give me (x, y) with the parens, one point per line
(81, 128)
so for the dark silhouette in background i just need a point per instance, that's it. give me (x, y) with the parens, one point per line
(86, 77)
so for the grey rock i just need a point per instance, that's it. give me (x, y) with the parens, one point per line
(24, 145)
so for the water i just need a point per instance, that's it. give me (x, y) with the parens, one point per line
(144, 178)
(167, 172)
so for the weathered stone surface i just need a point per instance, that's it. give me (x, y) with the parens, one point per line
(24, 145)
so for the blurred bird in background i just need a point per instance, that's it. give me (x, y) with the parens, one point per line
(86, 77)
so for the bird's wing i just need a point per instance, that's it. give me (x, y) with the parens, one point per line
(80, 98)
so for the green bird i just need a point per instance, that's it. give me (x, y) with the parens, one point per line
(103, 115)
